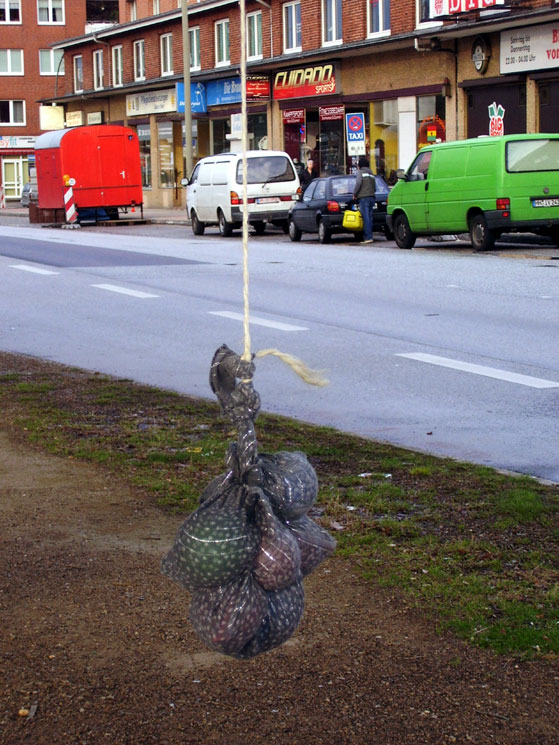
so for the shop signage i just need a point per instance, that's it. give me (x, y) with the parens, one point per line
(533, 48)
(305, 81)
(6, 142)
(74, 118)
(154, 102)
(51, 117)
(95, 117)
(481, 54)
(198, 102)
(496, 120)
(355, 133)
(293, 116)
(451, 7)
(228, 90)
(331, 113)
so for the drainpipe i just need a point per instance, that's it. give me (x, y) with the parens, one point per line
(187, 101)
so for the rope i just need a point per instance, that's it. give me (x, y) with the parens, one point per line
(313, 377)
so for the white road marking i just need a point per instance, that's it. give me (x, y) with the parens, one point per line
(32, 269)
(125, 291)
(258, 321)
(489, 372)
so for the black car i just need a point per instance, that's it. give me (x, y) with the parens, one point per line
(321, 208)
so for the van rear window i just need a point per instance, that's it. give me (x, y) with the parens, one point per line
(268, 169)
(533, 155)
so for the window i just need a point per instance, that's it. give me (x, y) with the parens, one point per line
(12, 112)
(139, 60)
(254, 35)
(50, 11)
(133, 11)
(10, 11)
(194, 36)
(292, 27)
(145, 154)
(11, 61)
(222, 42)
(331, 21)
(117, 65)
(78, 74)
(166, 45)
(379, 17)
(51, 61)
(156, 10)
(166, 154)
(98, 69)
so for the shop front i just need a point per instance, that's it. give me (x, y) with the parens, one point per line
(396, 123)
(15, 155)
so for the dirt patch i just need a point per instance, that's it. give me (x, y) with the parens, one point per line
(99, 640)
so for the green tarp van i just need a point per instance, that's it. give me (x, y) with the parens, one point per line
(484, 187)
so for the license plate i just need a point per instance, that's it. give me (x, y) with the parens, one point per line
(267, 200)
(549, 202)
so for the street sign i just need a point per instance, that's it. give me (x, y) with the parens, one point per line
(355, 134)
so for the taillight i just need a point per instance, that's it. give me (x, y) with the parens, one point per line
(235, 199)
(503, 203)
(332, 206)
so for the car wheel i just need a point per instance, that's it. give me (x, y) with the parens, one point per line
(483, 239)
(402, 232)
(388, 234)
(294, 232)
(259, 227)
(225, 228)
(197, 226)
(324, 235)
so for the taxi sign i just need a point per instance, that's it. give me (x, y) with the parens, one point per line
(355, 133)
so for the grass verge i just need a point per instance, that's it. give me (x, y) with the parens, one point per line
(476, 550)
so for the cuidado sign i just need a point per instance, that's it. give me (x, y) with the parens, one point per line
(301, 82)
(355, 133)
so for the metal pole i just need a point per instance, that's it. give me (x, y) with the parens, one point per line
(187, 102)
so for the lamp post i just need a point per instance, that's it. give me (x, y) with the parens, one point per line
(187, 102)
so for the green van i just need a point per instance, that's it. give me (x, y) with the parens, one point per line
(484, 186)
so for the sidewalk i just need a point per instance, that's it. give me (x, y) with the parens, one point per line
(153, 214)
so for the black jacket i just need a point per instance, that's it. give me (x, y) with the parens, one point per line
(365, 185)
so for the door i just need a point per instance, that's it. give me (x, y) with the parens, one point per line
(13, 172)
(412, 195)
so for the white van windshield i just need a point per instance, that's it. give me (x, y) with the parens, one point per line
(533, 155)
(267, 169)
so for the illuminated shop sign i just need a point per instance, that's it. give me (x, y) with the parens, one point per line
(293, 116)
(331, 113)
(305, 81)
(228, 90)
(451, 7)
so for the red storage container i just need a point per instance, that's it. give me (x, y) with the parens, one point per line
(101, 163)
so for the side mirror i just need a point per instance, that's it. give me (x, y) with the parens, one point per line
(401, 174)
(184, 182)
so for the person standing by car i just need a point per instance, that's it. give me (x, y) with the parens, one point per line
(308, 175)
(364, 193)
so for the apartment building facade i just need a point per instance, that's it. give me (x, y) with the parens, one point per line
(414, 71)
(30, 69)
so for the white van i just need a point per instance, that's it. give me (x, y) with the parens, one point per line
(215, 191)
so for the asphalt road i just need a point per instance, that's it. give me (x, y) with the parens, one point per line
(437, 349)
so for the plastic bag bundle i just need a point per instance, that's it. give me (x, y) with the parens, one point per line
(244, 552)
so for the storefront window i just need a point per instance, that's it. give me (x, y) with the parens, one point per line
(383, 138)
(257, 131)
(145, 154)
(430, 120)
(220, 129)
(166, 155)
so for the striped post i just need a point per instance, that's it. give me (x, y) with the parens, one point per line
(2, 198)
(70, 207)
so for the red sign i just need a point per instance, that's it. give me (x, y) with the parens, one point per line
(293, 116)
(330, 113)
(258, 87)
(305, 81)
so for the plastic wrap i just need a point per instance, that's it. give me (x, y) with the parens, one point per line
(244, 551)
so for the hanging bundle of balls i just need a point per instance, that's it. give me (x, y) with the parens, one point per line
(244, 552)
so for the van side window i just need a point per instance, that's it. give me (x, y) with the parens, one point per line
(420, 167)
(205, 177)
(219, 175)
(195, 174)
(524, 156)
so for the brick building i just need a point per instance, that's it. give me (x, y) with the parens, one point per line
(417, 70)
(30, 70)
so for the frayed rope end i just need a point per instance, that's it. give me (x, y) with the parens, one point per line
(312, 377)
